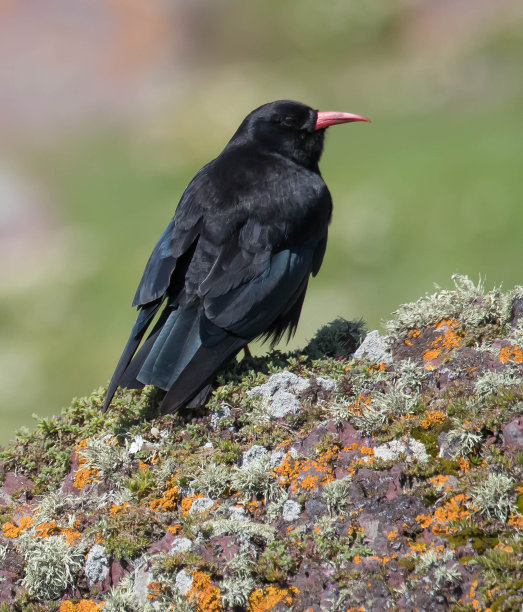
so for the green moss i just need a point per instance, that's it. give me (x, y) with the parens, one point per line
(171, 564)
(429, 436)
(479, 540)
(142, 483)
(275, 563)
(407, 562)
(130, 531)
(228, 452)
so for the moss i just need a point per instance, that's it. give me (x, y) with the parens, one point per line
(142, 483)
(477, 538)
(429, 437)
(276, 563)
(407, 562)
(128, 533)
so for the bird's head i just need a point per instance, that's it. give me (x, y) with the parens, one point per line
(290, 128)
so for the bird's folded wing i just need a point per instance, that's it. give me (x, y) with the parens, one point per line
(248, 309)
(176, 240)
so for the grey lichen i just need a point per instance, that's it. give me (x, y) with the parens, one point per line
(494, 496)
(239, 581)
(467, 302)
(212, 479)
(96, 564)
(240, 526)
(255, 479)
(336, 494)
(51, 565)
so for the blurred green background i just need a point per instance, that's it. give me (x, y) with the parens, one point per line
(108, 108)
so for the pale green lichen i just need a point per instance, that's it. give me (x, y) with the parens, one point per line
(469, 303)
(371, 418)
(122, 598)
(239, 581)
(240, 526)
(256, 479)
(51, 565)
(104, 454)
(493, 496)
(212, 480)
(447, 576)
(463, 441)
(491, 383)
(336, 494)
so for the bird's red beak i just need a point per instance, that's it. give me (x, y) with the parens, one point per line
(326, 118)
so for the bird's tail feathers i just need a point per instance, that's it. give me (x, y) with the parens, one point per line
(145, 316)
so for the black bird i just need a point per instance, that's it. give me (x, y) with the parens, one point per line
(234, 262)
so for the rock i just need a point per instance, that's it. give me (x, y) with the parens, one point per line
(255, 453)
(283, 403)
(183, 582)
(13, 482)
(143, 577)
(202, 504)
(96, 565)
(374, 347)
(291, 511)
(513, 433)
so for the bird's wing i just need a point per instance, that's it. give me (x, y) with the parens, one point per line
(176, 240)
(254, 282)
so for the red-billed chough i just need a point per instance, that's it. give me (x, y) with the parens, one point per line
(234, 262)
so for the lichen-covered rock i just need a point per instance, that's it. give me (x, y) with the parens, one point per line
(374, 347)
(391, 479)
(96, 565)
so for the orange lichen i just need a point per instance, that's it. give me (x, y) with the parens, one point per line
(44, 530)
(174, 528)
(448, 340)
(73, 536)
(263, 601)
(439, 481)
(393, 535)
(83, 475)
(502, 546)
(418, 547)
(431, 354)
(511, 353)
(307, 474)
(516, 520)
(204, 594)
(169, 499)
(155, 589)
(425, 520)
(116, 509)
(13, 530)
(413, 333)
(433, 417)
(464, 464)
(187, 503)
(51, 528)
(83, 605)
(455, 509)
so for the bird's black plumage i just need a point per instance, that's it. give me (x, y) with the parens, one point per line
(234, 262)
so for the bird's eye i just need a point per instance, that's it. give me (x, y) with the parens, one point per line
(289, 122)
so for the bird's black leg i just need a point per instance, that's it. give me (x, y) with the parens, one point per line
(247, 351)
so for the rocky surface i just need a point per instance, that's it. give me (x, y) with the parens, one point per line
(307, 483)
